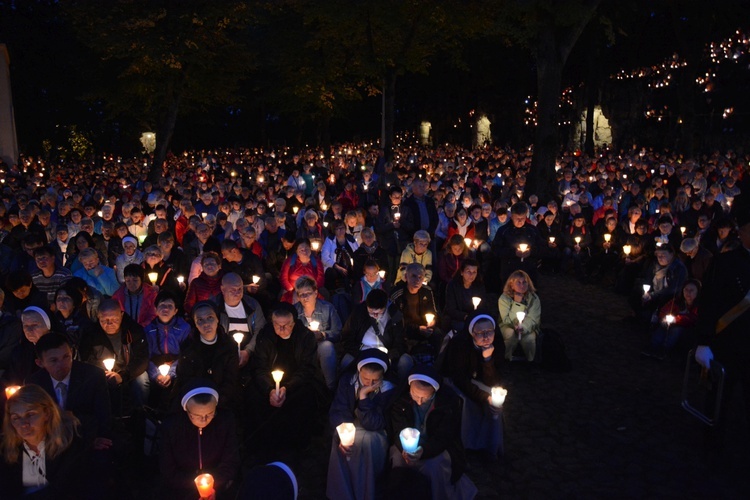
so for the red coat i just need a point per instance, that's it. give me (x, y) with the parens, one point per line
(147, 312)
(293, 269)
(202, 288)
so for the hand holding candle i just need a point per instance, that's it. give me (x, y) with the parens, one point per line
(152, 277)
(163, 370)
(205, 485)
(430, 318)
(256, 280)
(238, 337)
(277, 376)
(381, 273)
(498, 397)
(346, 433)
(409, 439)
(109, 363)
(522, 247)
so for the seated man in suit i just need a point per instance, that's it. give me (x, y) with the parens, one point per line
(76, 386)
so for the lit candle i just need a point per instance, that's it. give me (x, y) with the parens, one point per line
(520, 315)
(669, 319)
(10, 390)
(365, 187)
(164, 369)
(180, 279)
(99, 213)
(256, 280)
(346, 433)
(152, 277)
(142, 238)
(397, 215)
(204, 214)
(468, 242)
(626, 249)
(277, 376)
(295, 210)
(430, 318)
(498, 396)
(409, 439)
(476, 301)
(646, 288)
(381, 273)
(683, 229)
(323, 207)
(577, 239)
(238, 337)
(205, 485)
(607, 237)
(315, 245)
(109, 363)
(551, 239)
(314, 325)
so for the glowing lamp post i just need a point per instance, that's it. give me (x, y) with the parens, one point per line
(277, 376)
(109, 363)
(476, 301)
(409, 439)
(205, 485)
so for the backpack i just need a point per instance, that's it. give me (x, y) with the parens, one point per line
(550, 351)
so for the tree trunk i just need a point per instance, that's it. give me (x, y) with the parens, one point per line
(163, 141)
(389, 112)
(546, 141)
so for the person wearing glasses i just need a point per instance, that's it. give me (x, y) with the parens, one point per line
(473, 364)
(202, 439)
(281, 419)
(41, 449)
(323, 321)
(209, 353)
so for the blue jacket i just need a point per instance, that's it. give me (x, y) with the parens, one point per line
(164, 341)
(346, 407)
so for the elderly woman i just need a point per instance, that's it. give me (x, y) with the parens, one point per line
(520, 315)
(135, 296)
(41, 449)
(354, 470)
(473, 363)
(323, 320)
(130, 255)
(417, 252)
(301, 263)
(202, 439)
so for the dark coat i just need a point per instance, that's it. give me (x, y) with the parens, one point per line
(360, 321)
(369, 411)
(464, 363)
(178, 459)
(304, 349)
(88, 398)
(443, 424)
(65, 476)
(223, 369)
(130, 362)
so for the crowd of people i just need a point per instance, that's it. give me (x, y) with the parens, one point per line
(253, 299)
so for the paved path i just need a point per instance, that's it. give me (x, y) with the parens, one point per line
(613, 426)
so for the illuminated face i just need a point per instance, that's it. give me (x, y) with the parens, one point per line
(283, 326)
(29, 422)
(34, 327)
(201, 415)
(369, 377)
(211, 267)
(58, 361)
(469, 274)
(232, 293)
(518, 219)
(110, 321)
(483, 333)
(64, 304)
(690, 292)
(206, 322)
(520, 285)
(166, 310)
(307, 296)
(128, 246)
(414, 280)
(371, 274)
(421, 394)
